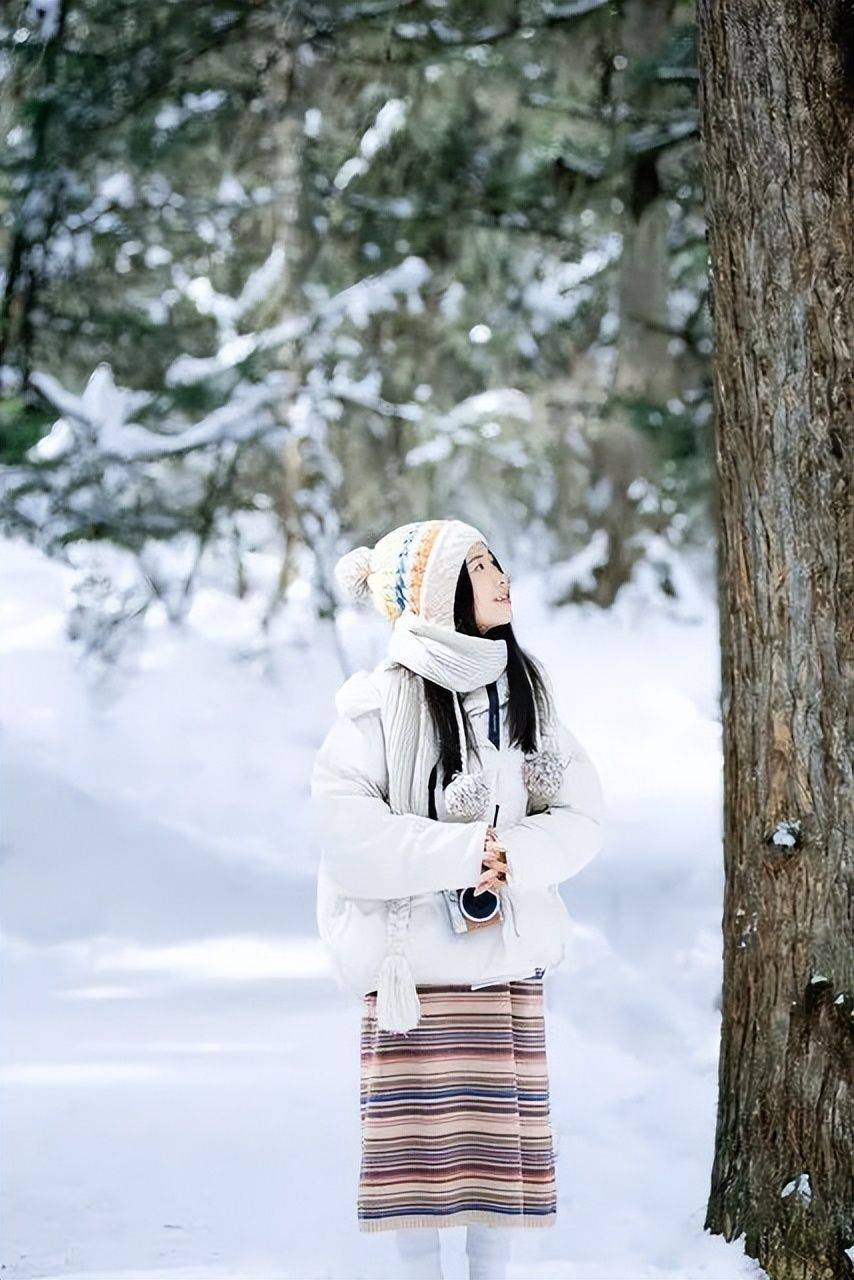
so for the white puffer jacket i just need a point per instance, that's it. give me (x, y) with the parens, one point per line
(370, 855)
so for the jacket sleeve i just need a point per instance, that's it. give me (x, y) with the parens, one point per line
(368, 850)
(546, 848)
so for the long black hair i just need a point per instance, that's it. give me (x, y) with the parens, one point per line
(520, 723)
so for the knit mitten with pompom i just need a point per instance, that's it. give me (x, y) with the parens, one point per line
(543, 773)
(466, 796)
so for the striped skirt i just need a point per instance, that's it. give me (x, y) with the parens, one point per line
(455, 1113)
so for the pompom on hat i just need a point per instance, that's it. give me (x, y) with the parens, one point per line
(352, 571)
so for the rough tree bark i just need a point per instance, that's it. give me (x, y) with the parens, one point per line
(777, 103)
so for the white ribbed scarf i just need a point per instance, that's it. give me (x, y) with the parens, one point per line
(451, 659)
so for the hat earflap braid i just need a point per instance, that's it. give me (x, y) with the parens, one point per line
(543, 768)
(467, 794)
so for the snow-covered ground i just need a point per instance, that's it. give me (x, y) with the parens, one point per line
(180, 1071)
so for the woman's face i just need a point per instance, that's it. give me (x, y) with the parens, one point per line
(491, 588)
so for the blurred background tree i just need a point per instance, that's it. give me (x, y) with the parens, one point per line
(351, 265)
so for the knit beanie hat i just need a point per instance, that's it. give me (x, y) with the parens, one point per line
(414, 567)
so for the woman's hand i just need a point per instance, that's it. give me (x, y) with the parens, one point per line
(495, 862)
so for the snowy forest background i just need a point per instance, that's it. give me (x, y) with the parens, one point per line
(274, 279)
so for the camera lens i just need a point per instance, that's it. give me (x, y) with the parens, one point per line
(482, 907)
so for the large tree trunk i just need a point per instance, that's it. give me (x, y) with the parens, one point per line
(777, 108)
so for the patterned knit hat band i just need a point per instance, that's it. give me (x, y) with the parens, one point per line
(414, 567)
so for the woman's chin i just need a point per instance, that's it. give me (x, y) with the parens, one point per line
(498, 622)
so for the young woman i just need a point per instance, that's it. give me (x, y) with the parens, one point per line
(455, 720)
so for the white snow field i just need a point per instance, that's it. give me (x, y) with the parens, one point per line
(180, 1070)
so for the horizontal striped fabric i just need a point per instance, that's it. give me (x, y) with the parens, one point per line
(455, 1113)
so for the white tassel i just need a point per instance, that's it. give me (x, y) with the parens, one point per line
(398, 1006)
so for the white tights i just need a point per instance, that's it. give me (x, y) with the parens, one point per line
(487, 1248)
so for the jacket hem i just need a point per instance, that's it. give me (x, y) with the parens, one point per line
(529, 975)
(460, 1218)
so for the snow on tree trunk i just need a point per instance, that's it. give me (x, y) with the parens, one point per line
(777, 103)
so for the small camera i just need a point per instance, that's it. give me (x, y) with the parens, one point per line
(468, 911)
